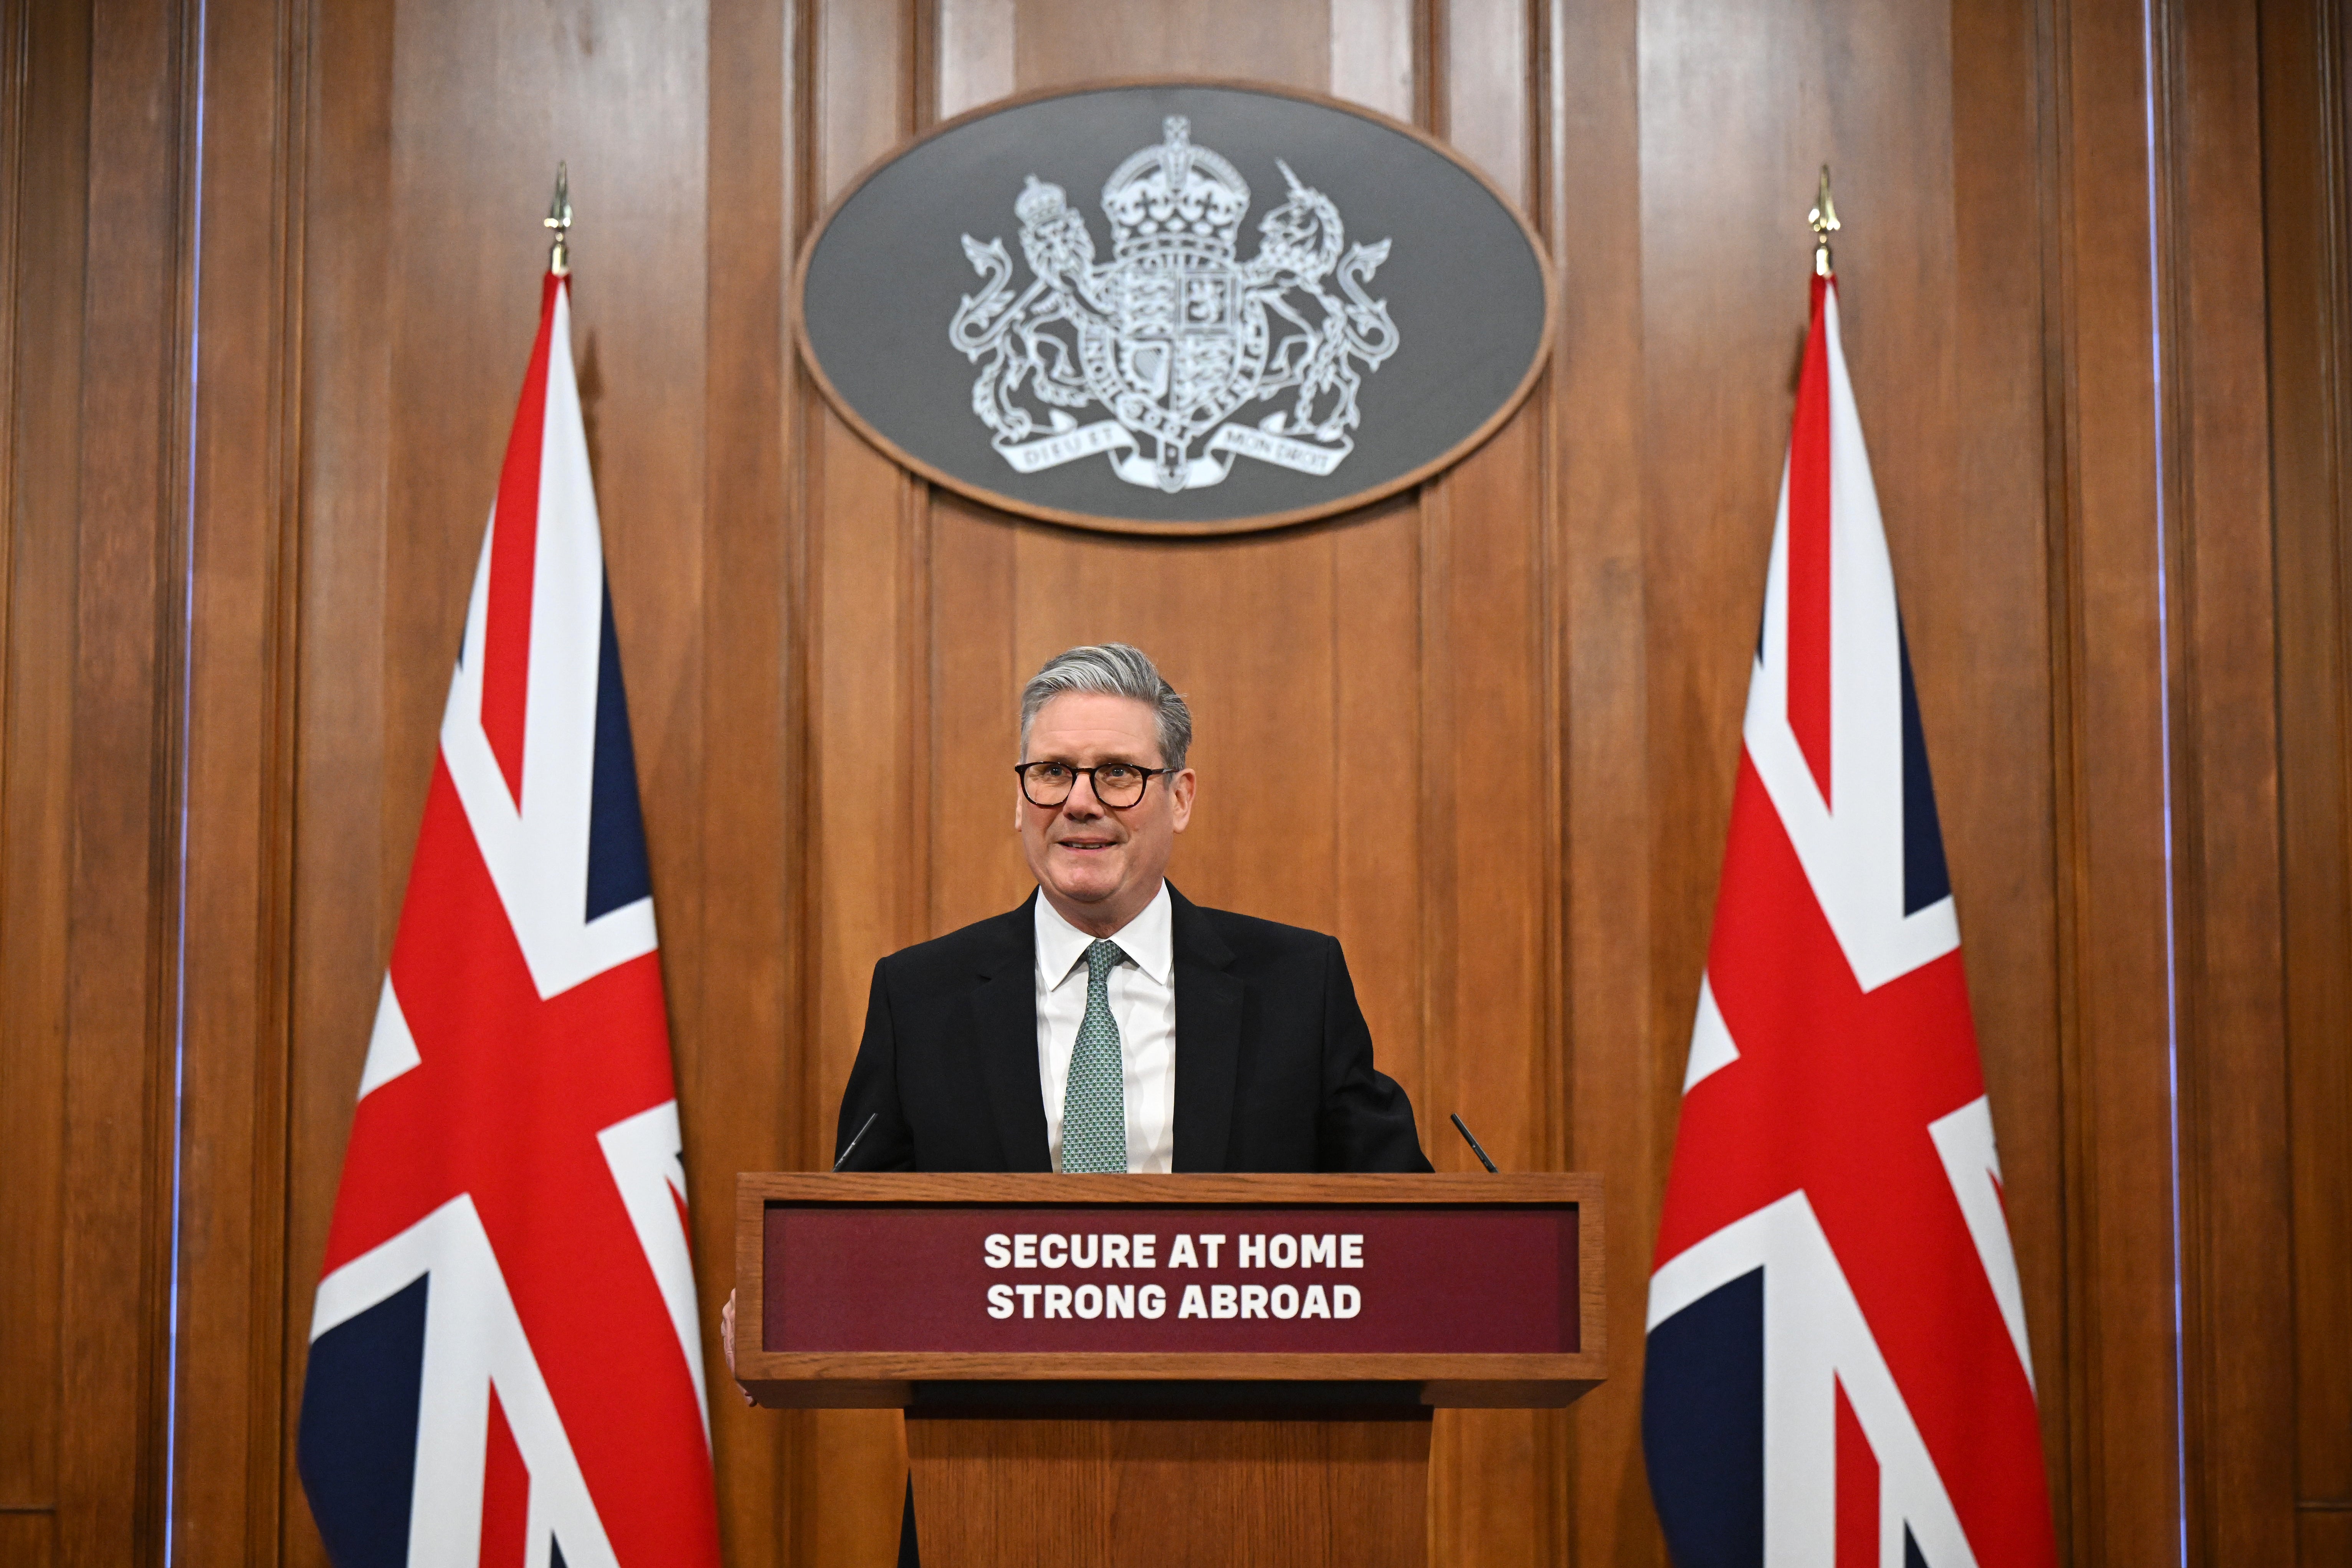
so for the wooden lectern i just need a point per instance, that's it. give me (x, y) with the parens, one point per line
(1170, 1370)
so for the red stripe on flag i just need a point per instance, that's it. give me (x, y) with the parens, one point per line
(1832, 1093)
(514, 558)
(505, 1496)
(1809, 553)
(1857, 1490)
(505, 1104)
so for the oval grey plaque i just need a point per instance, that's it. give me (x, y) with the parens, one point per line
(1174, 307)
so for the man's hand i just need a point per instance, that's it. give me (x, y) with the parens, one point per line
(726, 1339)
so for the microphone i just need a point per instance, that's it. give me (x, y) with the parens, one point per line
(870, 1120)
(1465, 1130)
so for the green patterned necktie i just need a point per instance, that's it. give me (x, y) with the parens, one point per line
(1094, 1096)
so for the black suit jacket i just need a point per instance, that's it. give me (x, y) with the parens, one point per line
(1274, 1062)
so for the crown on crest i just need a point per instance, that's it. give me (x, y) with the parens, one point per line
(1175, 196)
(1040, 202)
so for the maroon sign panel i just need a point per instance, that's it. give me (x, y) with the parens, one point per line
(1428, 1280)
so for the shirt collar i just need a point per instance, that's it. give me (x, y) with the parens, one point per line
(1148, 939)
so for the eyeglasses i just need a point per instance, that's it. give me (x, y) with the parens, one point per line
(1116, 785)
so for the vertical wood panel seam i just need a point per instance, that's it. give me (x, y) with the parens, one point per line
(916, 788)
(2336, 67)
(1555, 1447)
(806, 457)
(2174, 368)
(799, 66)
(168, 746)
(1548, 31)
(1557, 1453)
(15, 87)
(1429, 67)
(919, 108)
(2333, 49)
(2080, 1495)
(1552, 1084)
(273, 1292)
(925, 64)
(1533, 37)
(1433, 972)
(1334, 731)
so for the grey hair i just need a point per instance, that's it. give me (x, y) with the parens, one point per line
(1112, 669)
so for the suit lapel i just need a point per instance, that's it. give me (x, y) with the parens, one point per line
(1208, 1038)
(1005, 1030)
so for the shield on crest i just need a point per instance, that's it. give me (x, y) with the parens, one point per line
(1174, 335)
(1182, 352)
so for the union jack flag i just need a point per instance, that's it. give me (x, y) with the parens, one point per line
(505, 1366)
(1838, 1374)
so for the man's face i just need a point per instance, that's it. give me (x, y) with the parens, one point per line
(1099, 865)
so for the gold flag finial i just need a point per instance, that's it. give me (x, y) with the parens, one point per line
(559, 218)
(1824, 223)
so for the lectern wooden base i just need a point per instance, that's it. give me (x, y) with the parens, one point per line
(1217, 1369)
(1170, 1493)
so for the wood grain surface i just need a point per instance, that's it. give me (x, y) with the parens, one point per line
(1551, 1382)
(267, 276)
(1211, 1493)
(2307, 50)
(754, 1188)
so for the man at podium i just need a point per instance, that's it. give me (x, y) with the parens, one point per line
(1108, 1022)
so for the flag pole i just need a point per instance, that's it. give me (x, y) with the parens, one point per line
(1823, 221)
(559, 218)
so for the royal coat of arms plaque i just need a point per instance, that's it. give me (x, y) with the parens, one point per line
(1165, 363)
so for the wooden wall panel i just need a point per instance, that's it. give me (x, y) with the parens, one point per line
(28, 1538)
(736, 1076)
(1483, 86)
(1058, 41)
(2308, 192)
(1487, 839)
(1373, 45)
(1378, 735)
(2119, 1036)
(349, 854)
(1483, 731)
(1985, 533)
(235, 914)
(2234, 1271)
(46, 156)
(868, 540)
(868, 529)
(1619, 1052)
(129, 527)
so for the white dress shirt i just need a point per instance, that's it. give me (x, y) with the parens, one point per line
(1143, 1005)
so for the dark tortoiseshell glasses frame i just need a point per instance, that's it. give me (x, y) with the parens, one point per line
(1113, 794)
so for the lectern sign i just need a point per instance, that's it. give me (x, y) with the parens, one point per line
(1279, 307)
(1238, 1279)
(870, 1289)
